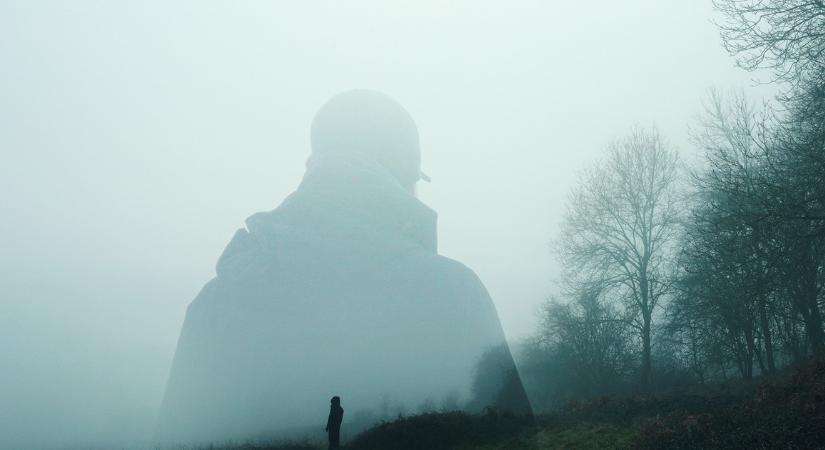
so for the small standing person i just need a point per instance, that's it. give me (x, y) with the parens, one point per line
(336, 415)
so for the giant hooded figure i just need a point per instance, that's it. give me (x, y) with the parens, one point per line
(339, 290)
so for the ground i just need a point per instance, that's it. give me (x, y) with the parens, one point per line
(783, 411)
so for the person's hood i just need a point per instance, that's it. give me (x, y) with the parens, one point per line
(347, 206)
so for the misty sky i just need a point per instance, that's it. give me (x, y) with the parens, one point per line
(135, 138)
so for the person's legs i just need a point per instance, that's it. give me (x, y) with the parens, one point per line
(334, 438)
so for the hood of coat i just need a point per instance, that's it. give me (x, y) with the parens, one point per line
(347, 206)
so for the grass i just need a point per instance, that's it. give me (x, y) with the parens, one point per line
(784, 411)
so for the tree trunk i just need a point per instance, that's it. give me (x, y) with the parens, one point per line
(646, 365)
(768, 338)
(724, 371)
(749, 354)
(813, 325)
(646, 319)
(810, 307)
(812, 318)
(759, 361)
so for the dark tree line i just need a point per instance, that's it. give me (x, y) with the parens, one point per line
(688, 275)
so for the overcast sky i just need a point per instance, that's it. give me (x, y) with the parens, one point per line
(135, 138)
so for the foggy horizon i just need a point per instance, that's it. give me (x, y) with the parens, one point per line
(137, 138)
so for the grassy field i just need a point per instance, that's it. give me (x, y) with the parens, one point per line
(784, 411)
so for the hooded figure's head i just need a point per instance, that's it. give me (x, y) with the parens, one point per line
(370, 124)
(335, 401)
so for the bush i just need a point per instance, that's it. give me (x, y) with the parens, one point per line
(442, 431)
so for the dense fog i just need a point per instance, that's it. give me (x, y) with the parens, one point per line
(136, 139)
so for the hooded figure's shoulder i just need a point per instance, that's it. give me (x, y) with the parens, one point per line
(240, 266)
(458, 271)
(438, 276)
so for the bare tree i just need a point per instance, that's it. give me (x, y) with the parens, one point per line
(590, 339)
(754, 245)
(619, 228)
(735, 210)
(786, 36)
(582, 348)
(720, 286)
(799, 160)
